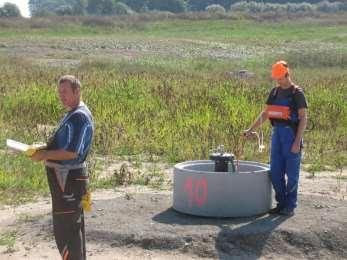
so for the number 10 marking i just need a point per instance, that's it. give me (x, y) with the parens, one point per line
(197, 191)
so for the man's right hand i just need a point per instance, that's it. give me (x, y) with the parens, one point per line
(248, 133)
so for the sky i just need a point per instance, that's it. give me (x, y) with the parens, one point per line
(22, 4)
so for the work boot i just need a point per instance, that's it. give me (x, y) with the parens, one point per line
(287, 212)
(275, 210)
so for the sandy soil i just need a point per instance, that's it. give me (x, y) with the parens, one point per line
(138, 223)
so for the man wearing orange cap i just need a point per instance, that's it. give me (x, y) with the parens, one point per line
(287, 110)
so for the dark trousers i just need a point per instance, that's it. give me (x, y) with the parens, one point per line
(67, 211)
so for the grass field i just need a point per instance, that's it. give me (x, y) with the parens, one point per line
(158, 89)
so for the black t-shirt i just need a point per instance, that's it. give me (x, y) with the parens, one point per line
(298, 96)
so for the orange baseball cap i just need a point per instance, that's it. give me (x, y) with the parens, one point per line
(279, 69)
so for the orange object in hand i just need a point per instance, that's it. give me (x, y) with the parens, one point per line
(278, 112)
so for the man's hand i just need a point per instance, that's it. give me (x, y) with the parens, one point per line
(248, 133)
(295, 147)
(39, 156)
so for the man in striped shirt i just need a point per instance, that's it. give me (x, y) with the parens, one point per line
(66, 170)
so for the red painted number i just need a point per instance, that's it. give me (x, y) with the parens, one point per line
(197, 191)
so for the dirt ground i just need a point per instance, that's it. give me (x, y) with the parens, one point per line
(138, 223)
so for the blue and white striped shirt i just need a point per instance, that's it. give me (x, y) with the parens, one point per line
(74, 134)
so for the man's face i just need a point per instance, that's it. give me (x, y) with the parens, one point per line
(68, 97)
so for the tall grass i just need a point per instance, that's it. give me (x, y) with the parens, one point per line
(174, 114)
(20, 179)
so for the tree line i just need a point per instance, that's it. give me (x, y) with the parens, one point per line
(124, 7)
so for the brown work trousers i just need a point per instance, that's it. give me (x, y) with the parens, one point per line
(67, 211)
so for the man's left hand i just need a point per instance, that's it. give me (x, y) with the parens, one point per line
(295, 147)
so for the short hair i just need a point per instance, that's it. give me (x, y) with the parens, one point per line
(74, 82)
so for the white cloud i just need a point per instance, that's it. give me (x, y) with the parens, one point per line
(22, 4)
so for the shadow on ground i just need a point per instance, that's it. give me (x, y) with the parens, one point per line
(237, 237)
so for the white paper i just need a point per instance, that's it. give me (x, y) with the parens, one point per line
(17, 146)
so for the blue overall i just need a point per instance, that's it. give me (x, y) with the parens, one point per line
(283, 161)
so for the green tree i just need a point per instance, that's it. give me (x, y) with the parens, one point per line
(122, 9)
(64, 10)
(101, 7)
(42, 7)
(215, 9)
(175, 6)
(59, 7)
(10, 10)
(136, 5)
(93, 7)
(197, 5)
(200, 5)
(79, 7)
